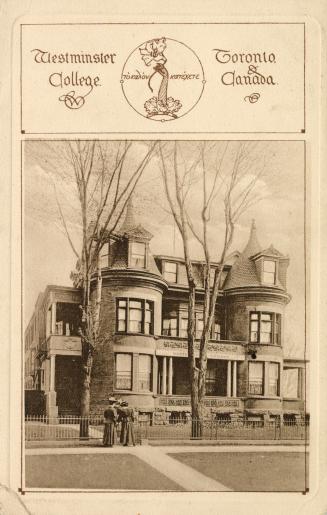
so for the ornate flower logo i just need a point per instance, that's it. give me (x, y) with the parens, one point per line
(162, 66)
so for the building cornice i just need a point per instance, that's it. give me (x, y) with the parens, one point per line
(132, 277)
(274, 293)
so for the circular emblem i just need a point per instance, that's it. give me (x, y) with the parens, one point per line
(162, 79)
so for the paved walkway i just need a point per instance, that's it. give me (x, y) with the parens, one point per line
(158, 457)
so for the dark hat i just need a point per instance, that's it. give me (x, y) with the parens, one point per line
(124, 403)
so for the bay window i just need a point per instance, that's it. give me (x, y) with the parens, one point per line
(265, 327)
(134, 316)
(123, 372)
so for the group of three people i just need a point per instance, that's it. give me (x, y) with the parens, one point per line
(118, 412)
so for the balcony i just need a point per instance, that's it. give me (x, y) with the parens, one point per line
(222, 349)
(180, 401)
(63, 345)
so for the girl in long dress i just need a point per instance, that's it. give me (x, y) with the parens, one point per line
(126, 416)
(110, 420)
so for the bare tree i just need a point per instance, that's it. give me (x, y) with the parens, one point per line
(96, 180)
(221, 179)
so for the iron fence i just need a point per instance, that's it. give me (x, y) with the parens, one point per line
(71, 427)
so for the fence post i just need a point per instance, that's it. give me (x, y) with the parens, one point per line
(84, 428)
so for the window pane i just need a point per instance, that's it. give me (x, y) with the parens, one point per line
(170, 327)
(273, 379)
(277, 329)
(198, 326)
(121, 325)
(170, 272)
(255, 378)
(135, 304)
(123, 371)
(183, 328)
(211, 379)
(148, 318)
(266, 316)
(170, 267)
(138, 255)
(217, 331)
(104, 255)
(254, 316)
(269, 266)
(145, 366)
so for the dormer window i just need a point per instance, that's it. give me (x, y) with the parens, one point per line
(269, 271)
(170, 271)
(138, 255)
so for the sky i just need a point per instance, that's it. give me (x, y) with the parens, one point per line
(278, 212)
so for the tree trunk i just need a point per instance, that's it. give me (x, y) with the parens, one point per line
(85, 396)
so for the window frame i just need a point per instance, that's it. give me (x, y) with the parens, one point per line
(130, 254)
(276, 325)
(131, 371)
(165, 271)
(127, 308)
(270, 260)
(170, 317)
(150, 389)
(262, 363)
(269, 394)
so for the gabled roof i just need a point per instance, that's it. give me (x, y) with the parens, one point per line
(269, 252)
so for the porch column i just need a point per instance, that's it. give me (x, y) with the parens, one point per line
(170, 376)
(52, 372)
(51, 395)
(164, 376)
(301, 383)
(229, 374)
(154, 374)
(53, 317)
(234, 392)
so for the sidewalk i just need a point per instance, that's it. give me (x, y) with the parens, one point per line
(93, 443)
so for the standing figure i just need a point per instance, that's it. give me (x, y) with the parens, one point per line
(126, 416)
(110, 420)
(161, 106)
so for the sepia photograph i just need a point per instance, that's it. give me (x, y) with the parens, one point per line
(164, 316)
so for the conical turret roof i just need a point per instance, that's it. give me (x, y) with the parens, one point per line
(243, 272)
(130, 226)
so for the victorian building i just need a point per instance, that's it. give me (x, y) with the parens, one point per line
(142, 353)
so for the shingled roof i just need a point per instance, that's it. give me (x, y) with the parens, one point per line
(243, 272)
(130, 227)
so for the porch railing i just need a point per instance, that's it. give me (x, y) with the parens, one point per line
(68, 428)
